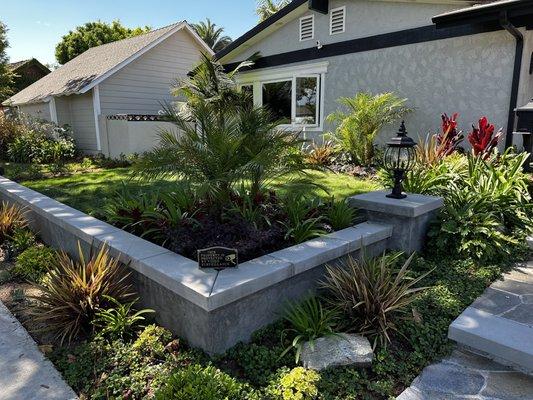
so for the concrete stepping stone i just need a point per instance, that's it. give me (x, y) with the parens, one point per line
(26, 374)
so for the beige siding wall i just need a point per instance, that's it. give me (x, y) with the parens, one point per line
(82, 121)
(63, 111)
(37, 110)
(141, 87)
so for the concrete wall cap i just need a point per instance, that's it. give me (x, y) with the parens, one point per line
(412, 206)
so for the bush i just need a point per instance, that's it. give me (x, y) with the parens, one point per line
(371, 293)
(22, 239)
(74, 291)
(12, 218)
(201, 383)
(32, 264)
(298, 384)
(152, 341)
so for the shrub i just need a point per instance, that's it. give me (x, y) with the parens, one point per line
(22, 239)
(339, 214)
(372, 293)
(298, 384)
(75, 290)
(309, 320)
(320, 154)
(120, 321)
(359, 126)
(483, 139)
(9, 130)
(304, 222)
(12, 218)
(152, 341)
(201, 383)
(32, 264)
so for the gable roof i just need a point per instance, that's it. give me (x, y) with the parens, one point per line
(88, 69)
(14, 66)
(287, 13)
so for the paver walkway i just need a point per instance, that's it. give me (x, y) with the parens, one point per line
(25, 374)
(465, 375)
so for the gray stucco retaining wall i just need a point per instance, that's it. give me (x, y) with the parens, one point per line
(212, 310)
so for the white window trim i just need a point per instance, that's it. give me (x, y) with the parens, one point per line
(343, 8)
(259, 77)
(312, 17)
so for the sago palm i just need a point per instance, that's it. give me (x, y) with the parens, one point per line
(212, 35)
(360, 124)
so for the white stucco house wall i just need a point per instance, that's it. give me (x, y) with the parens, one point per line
(129, 77)
(475, 61)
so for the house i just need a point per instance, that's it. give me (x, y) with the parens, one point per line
(443, 55)
(130, 76)
(27, 72)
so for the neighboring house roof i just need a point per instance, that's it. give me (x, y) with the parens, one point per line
(96, 64)
(287, 13)
(14, 66)
(486, 12)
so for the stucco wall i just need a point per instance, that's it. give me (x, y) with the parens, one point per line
(363, 18)
(37, 110)
(142, 86)
(471, 75)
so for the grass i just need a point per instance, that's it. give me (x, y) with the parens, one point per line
(88, 191)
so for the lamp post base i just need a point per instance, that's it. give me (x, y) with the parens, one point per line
(396, 196)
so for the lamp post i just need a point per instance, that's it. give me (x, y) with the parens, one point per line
(399, 158)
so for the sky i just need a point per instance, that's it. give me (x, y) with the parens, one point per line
(36, 26)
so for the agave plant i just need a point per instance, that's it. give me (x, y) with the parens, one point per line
(372, 293)
(74, 291)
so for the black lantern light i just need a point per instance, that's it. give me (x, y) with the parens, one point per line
(399, 158)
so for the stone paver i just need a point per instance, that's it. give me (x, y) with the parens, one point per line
(465, 375)
(25, 374)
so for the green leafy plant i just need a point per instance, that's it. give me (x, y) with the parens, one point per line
(152, 341)
(359, 125)
(303, 219)
(320, 154)
(297, 384)
(32, 264)
(74, 291)
(309, 320)
(119, 321)
(22, 239)
(339, 214)
(12, 218)
(372, 292)
(196, 382)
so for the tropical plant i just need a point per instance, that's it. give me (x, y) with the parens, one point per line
(320, 154)
(32, 264)
(196, 382)
(449, 138)
(303, 222)
(483, 139)
(372, 293)
(296, 384)
(6, 75)
(212, 35)
(360, 124)
(339, 214)
(22, 239)
(12, 218)
(309, 320)
(74, 291)
(267, 8)
(120, 320)
(92, 34)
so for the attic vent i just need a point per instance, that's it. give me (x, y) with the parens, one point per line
(307, 27)
(337, 20)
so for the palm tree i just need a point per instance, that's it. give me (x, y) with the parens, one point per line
(212, 35)
(267, 8)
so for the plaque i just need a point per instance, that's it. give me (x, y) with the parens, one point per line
(218, 258)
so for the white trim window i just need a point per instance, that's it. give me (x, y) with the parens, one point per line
(337, 20)
(307, 27)
(293, 95)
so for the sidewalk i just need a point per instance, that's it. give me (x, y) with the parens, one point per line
(25, 374)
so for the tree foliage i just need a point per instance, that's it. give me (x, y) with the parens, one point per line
(6, 76)
(267, 8)
(93, 34)
(212, 35)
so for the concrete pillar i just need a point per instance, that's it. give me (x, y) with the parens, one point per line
(410, 217)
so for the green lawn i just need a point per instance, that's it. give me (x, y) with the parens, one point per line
(88, 191)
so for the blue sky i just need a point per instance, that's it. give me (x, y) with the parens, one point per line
(35, 26)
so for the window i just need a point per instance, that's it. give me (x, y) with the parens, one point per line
(337, 20)
(307, 28)
(306, 110)
(277, 97)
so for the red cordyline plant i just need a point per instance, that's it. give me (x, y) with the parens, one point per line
(449, 137)
(483, 139)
